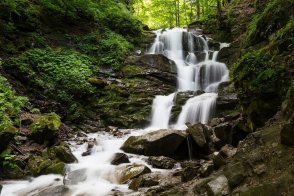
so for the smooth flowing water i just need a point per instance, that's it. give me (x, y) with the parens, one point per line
(193, 74)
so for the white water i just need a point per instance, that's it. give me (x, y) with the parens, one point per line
(101, 176)
(192, 75)
(161, 109)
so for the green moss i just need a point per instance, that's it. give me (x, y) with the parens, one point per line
(45, 127)
(63, 153)
(55, 168)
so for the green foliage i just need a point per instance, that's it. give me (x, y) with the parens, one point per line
(62, 74)
(48, 121)
(169, 13)
(274, 16)
(108, 48)
(7, 160)
(10, 106)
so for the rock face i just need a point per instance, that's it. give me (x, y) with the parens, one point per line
(158, 143)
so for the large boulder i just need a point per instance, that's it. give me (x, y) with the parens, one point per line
(158, 143)
(45, 128)
(63, 153)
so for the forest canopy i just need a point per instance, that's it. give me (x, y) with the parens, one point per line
(169, 13)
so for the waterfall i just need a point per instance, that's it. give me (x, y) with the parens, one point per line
(181, 46)
(161, 109)
(197, 109)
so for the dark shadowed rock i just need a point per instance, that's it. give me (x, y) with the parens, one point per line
(75, 177)
(159, 143)
(218, 160)
(224, 133)
(161, 162)
(120, 158)
(287, 135)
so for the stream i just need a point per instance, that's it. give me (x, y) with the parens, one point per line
(197, 71)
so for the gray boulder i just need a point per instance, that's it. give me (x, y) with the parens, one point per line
(218, 186)
(159, 143)
(161, 162)
(75, 177)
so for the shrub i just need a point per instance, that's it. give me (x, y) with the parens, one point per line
(61, 74)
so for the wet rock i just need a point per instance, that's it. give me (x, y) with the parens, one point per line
(145, 180)
(81, 134)
(235, 174)
(63, 153)
(287, 135)
(218, 186)
(155, 143)
(75, 177)
(206, 169)
(59, 190)
(45, 128)
(161, 162)
(120, 158)
(1, 188)
(41, 165)
(90, 146)
(132, 171)
(197, 131)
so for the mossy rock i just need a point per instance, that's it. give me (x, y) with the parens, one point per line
(63, 153)
(38, 165)
(55, 168)
(45, 128)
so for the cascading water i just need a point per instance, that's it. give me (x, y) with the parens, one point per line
(181, 47)
(99, 176)
(161, 105)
